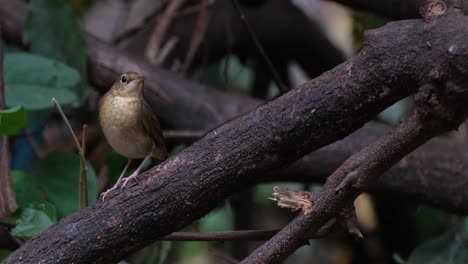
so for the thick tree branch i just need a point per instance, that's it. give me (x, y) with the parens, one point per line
(192, 106)
(187, 186)
(428, 121)
(321, 111)
(438, 110)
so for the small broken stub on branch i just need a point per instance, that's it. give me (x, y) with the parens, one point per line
(293, 199)
(433, 9)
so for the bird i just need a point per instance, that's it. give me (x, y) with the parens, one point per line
(129, 125)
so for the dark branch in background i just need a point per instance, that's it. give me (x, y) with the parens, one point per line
(158, 34)
(239, 235)
(431, 174)
(7, 194)
(190, 184)
(307, 45)
(282, 88)
(198, 35)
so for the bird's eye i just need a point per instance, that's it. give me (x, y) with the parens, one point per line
(124, 79)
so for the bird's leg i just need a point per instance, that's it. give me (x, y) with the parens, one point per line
(137, 171)
(104, 194)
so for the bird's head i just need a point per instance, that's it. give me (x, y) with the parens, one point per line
(129, 84)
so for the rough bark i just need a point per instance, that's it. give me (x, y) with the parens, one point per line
(395, 60)
(440, 107)
(367, 165)
(192, 107)
(175, 193)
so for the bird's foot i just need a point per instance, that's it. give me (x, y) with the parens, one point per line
(129, 178)
(104, 194)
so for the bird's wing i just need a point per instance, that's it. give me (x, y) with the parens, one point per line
(153, 129)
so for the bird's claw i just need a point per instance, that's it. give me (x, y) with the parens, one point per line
(104, 194)
(126, 180)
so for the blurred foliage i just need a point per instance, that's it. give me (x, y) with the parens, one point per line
(50, 193)
(449, 248)
(55, 66)
(34, 218)
(12, 120)
(33, 80)
(53, 30)
(79, 6)
(228, 73)
(57, 176)
(26, 191)
(54, 180)
(217, 220)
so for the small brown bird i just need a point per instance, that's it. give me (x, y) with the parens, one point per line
(129, 125)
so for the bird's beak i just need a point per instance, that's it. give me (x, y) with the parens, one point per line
(140, 78)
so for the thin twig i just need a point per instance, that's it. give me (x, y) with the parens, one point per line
(197, 36)
(83, 192)
(159, 32)
(7, 194)
(242, 235)
(148, 21)
(166, 50)
(83, 168)
(282, 88)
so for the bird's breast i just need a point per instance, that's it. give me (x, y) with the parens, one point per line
(120, 120)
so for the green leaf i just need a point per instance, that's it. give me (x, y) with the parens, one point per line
(38, 97)
(34, 219)
(450, 248)
(26, 190)
(27, 68)
(54, 31)
(12, 120)
(217, 220)
(57, 175)
(32, 80)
